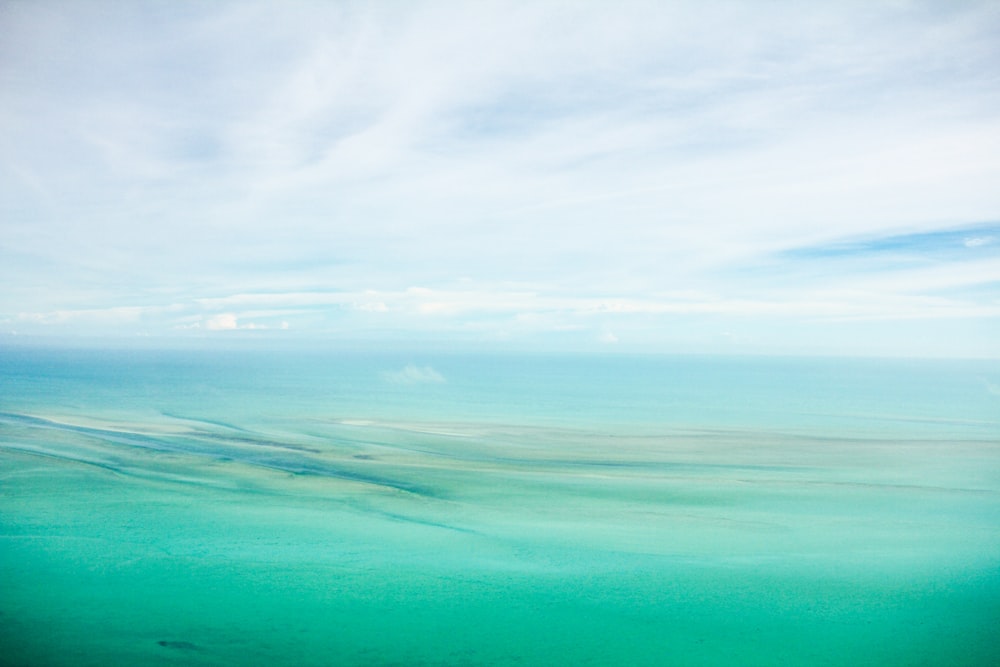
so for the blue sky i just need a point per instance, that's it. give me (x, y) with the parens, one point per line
(764, 177)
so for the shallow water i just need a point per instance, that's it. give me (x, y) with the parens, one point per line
(187, 508)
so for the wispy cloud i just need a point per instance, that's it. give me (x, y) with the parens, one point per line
(495, 168)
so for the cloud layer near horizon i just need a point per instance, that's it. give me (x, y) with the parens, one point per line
(664, 174)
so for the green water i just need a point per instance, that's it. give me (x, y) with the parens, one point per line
(192, 510)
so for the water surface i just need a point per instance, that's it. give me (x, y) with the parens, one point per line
(196, 508)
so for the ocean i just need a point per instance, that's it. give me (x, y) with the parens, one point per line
(386, 508)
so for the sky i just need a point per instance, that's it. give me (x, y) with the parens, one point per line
(721, 177)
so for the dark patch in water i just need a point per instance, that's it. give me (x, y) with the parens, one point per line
(424, 522)
(364, 457)
(260, 442)
(128, 438)
(212, 422)
(271, 456)
(179, 645)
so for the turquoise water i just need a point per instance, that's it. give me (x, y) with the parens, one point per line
(197, 508)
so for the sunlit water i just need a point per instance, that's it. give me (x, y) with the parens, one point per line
(191, 508)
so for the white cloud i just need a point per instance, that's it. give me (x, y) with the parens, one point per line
(221, 322)
(978, 241)
(372, 307)
(412, 374)
(230, 322)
